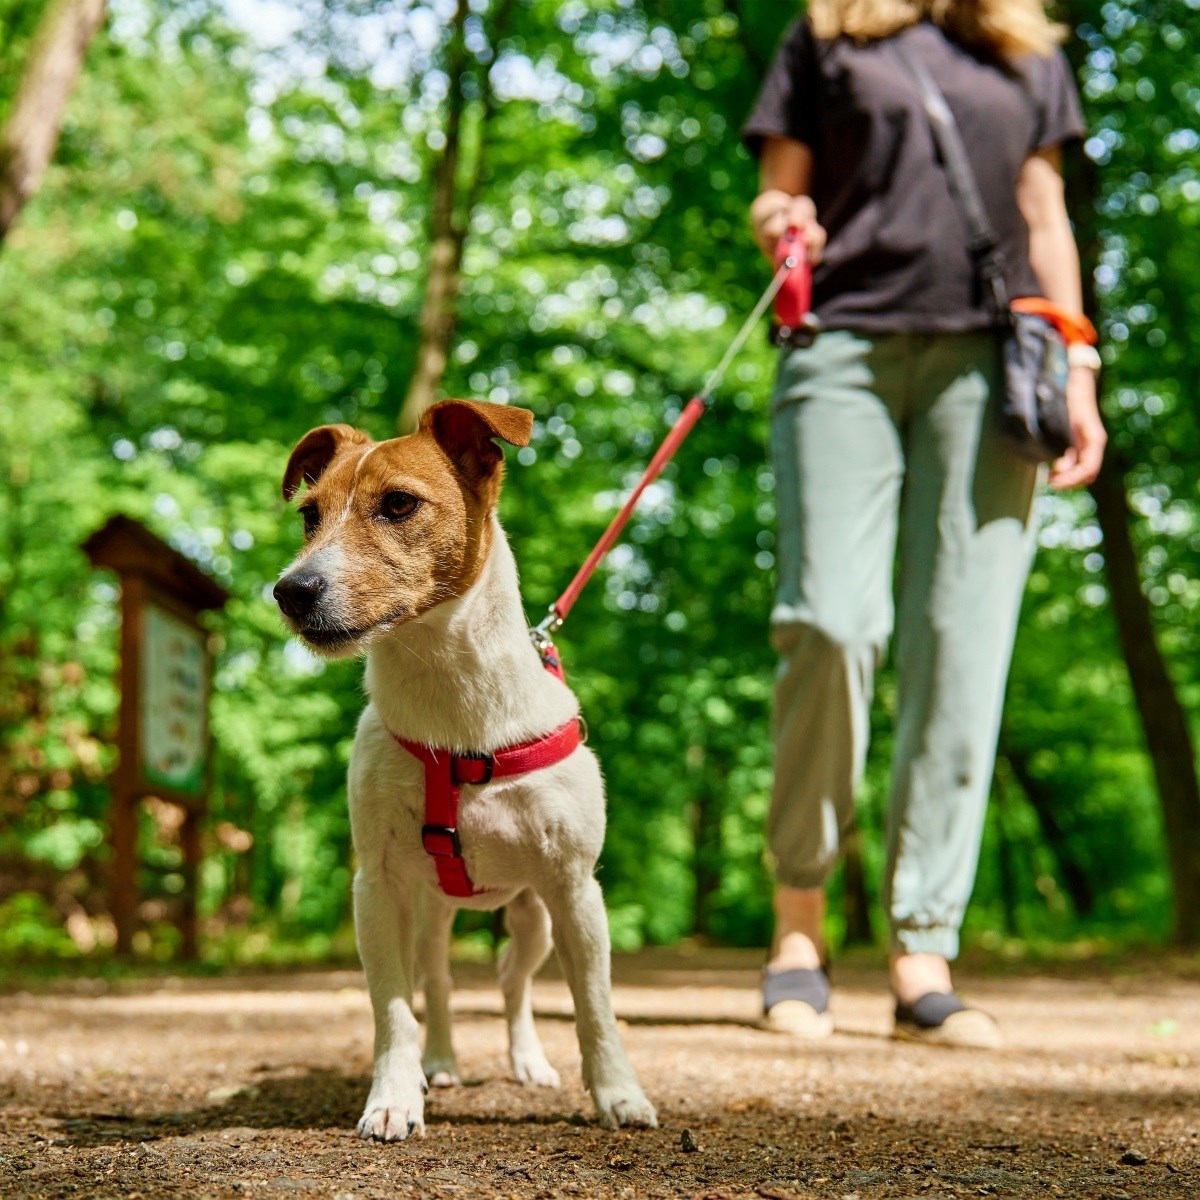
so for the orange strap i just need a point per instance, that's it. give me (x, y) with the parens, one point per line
(1074, 327)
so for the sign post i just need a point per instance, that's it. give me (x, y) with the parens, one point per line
(163, 740)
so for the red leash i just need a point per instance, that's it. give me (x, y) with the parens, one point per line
(791, 290)
(447, 773)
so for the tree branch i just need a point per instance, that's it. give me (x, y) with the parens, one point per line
(31, 133)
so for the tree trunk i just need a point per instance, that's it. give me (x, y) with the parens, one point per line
(31, 133)
(708, 847)
(446, 237)
(856, 903)
(448, 225)
(1005, 867)
(1163, 717)
(754, 56)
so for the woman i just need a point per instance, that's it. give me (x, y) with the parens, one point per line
(884, 429)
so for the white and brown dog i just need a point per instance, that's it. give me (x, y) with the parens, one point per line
(468, 785)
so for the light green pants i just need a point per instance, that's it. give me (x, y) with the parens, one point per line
(874, 438)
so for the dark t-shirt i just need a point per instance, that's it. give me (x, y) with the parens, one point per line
(897, 259)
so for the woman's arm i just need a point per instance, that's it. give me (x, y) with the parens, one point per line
(785, 175)
(1055, 261)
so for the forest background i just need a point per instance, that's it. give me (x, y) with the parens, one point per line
(263, 216)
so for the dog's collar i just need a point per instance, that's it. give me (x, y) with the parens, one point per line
(446, 773)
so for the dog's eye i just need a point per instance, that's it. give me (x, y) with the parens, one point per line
(312, 518)
(395, 506)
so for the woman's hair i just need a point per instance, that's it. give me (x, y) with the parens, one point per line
(1010, 28)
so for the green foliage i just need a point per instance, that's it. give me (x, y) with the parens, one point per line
(29, 928)
(18, 23)
(230, 249)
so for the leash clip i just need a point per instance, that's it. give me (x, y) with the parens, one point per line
(542, 633)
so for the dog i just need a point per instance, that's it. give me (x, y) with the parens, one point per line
(405, 561)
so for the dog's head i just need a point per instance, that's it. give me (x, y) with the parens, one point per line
(392, 528)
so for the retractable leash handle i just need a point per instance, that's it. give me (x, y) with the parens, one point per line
(791, 291)
(793, 304)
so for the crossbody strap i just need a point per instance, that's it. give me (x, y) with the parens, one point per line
(981, 237)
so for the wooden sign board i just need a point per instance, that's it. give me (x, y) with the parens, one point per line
(173, 733)
(163, 736)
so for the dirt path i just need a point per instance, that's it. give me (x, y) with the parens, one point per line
(251, 1088)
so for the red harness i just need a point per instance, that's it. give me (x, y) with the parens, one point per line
(447, 773)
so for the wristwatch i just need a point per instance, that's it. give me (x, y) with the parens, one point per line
(1080, 354)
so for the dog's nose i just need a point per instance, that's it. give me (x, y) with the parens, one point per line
(296, 594)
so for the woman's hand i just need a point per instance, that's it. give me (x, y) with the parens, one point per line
(1055, 262)
(1081, 464)
(773, 211)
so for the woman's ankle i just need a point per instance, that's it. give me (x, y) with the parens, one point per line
(795, 950)
(799, 939)
(916, 975)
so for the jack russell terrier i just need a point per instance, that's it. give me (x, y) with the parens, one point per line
(468, 784)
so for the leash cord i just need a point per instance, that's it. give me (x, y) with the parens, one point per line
(734, 349)
(692, 412)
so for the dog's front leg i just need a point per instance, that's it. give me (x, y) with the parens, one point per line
(581, 938)
(383, 921)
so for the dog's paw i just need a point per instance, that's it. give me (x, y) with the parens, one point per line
(442, 1072)
(624, 1105)
(531, 1068)
(394, 1116)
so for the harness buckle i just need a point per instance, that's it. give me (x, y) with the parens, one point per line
(486, 762)
(441, 841)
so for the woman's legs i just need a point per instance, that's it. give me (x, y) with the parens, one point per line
(838, 470)
(966, 547)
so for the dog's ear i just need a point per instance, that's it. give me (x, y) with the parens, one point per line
(314, 452)
(465, 430)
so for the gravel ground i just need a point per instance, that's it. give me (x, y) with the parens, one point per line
(251, 1087)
